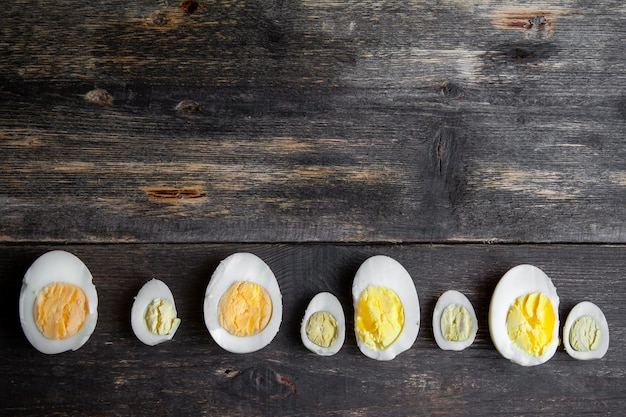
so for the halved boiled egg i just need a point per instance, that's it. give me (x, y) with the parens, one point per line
(323, 328)
(153, 316)
(243, 305)
(454, 321)
(386, 308)
(586, 332)
(58, 303)
(524, 316)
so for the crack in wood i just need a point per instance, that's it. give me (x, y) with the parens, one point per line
(173, 194)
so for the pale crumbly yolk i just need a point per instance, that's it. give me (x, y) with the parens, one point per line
(60, 310)
(160, 317)
(584, 334)
(530, 323)
(321, 328)
(379, 317)
(245, 308)
(456, 323)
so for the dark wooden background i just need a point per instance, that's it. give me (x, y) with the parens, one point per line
(153, 138)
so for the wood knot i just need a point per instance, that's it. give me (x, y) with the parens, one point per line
(537, 21)
(260, 383)
(160, 19)
(451, 90)
(190, 6)
(520, 53)
(99, 96)
(189, 107)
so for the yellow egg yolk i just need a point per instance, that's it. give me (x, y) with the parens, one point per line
(160, 317)
(456, 323)
(60, 310)
(245, 308)
(379, 317)
(321, 328)
(584, 334)
(530, 323)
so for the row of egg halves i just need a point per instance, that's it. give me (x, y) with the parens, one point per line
(243, 312)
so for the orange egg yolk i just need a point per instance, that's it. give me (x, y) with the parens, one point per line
(245, 308)
(60, 310)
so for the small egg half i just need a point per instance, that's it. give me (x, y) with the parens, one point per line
(454, 321)
(153, 315)
(58, 303)
(323, 328)
(386, 308)
(243, 306)
(524, 316)
(586, 332)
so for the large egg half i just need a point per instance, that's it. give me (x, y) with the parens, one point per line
(243, 306)
(454, 321)
(58, 282)
(386, 308)
(586, 332)
(153, 316)
(323, 328)
(524, 316)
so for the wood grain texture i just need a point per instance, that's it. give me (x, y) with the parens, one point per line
(153, 138)
(305, 121)
(114, 374)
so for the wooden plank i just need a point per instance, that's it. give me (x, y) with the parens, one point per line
(134, 121)
(114, 374)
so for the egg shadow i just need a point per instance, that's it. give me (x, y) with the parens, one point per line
(15, 263)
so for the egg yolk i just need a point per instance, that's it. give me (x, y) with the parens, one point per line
(530, 323)
(245, 308)
(584, 334)
(379, 317)
(321, 328)
(60, 310)
(456, 323)
(160, 317)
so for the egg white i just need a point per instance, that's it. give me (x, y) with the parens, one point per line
(56, 266)
(447, 298)
(387, 272)
(151, 290)
(242, 267)
(587, 308)
(324, 301)
(520, 280)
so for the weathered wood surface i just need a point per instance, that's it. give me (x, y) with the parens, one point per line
(114, 374)
(159, 136)
(291, 121)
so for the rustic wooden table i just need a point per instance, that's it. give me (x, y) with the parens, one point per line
(153, 138)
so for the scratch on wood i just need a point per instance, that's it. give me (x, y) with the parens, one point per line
(175, 194)
(546, 184)
(74, 167)
(619, 178)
